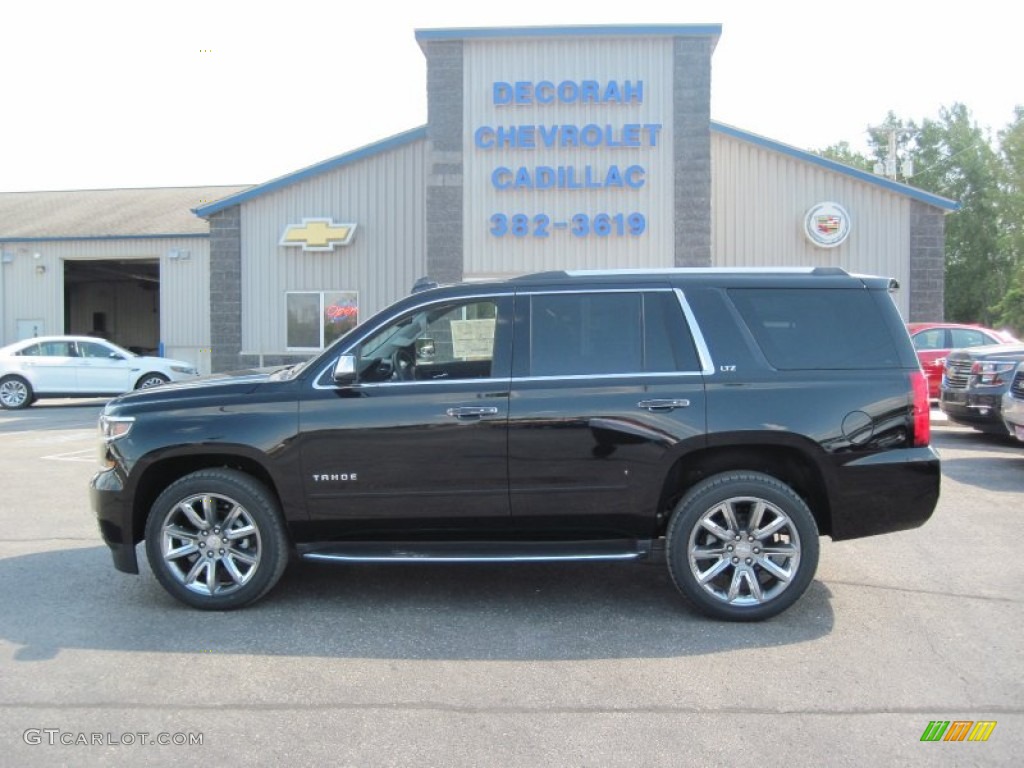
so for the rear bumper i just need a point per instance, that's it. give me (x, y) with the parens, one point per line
(886, 492)
(115, 519)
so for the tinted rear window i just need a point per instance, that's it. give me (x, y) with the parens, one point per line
(817, 328)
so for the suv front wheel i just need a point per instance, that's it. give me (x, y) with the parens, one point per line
(215, 539)
(742, 546)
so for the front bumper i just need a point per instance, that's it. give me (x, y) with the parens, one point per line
(982, 411)
(1013, 416)
(115, 519)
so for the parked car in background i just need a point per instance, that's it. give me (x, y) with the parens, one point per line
(934, 341)
(1013, 405)
(974, 383)
(77, 366)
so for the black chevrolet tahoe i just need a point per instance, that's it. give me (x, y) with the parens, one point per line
(719, 419)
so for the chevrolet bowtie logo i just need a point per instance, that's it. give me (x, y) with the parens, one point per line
(318, 234)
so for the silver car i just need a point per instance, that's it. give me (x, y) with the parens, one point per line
(78, 366)
(1013, 405)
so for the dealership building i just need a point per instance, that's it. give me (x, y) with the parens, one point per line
(545, 148)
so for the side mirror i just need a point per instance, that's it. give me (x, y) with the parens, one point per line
(345, 371)
(425, 349)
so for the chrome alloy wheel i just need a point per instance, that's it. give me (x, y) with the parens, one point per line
(211, 544)
(744, 551)
(14, 393)
(153, 380)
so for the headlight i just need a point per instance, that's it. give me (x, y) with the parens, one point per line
(991, 374)
(115, 427)
(185, 369)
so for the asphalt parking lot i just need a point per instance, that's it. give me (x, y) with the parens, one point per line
(582, 665)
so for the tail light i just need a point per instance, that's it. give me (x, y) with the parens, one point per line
(922, 410)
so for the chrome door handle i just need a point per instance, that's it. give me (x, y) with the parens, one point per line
(663, 405)
(472, 412)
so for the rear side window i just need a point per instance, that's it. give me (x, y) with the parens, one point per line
(583, 334)
(817, 328)
(590, 334)
(966, 337)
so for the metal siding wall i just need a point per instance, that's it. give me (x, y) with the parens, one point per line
(30, 296)
(383, 195)
(649, 60)
(760, 197)
(184, 286)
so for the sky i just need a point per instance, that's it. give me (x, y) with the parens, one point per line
(156, 93)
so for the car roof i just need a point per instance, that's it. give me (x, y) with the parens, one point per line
(36, 339)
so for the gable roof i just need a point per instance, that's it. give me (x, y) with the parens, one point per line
(105, 214)
(338, 161)
(847, 170)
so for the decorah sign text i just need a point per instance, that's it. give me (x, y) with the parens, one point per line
(568, 137)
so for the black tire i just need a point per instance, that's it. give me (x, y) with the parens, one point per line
(151, 380)
(15, 393)
(204, 565)
(734, 563)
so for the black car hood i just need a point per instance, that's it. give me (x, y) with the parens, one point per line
(235, 383)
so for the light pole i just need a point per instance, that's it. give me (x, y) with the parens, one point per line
(906, 168)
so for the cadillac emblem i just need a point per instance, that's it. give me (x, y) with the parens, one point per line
(827, 225)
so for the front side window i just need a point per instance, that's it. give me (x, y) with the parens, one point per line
(316, 318)
(92, 349)
(934, 338)
(447, 342)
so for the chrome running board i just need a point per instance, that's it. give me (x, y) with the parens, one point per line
(476, 551)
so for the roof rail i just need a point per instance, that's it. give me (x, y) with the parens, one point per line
(571, 273)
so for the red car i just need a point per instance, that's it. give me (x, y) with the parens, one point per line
(933, 341)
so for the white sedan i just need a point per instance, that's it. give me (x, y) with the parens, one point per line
(78, 366)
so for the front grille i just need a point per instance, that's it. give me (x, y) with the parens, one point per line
(1017, 388)
(958, 373)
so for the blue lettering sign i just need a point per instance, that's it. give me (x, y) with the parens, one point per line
(501, 178)
(502, 93)
(525, 137)
(635, 176)
(591, 135)
(483, 137)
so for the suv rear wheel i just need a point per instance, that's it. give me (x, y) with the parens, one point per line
(742, 546)
(215, 539)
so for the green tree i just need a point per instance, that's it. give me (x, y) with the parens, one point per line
(1010, 309)
(844, 153)
(954, 158)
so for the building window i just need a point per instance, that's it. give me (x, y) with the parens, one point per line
(317, 318)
